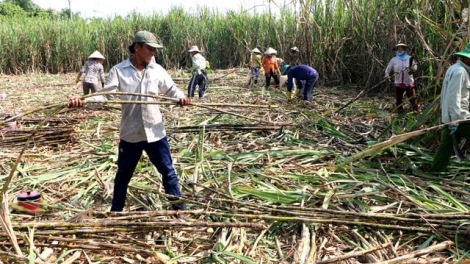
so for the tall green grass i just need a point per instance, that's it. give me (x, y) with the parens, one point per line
(347, 41)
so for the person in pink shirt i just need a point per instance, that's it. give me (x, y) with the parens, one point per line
(403, 66)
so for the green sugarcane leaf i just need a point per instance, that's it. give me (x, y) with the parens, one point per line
(452, 200)
(426, 243)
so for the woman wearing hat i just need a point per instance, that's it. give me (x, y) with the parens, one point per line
(403, 67)
(294, 56)
(270, 66)
(199, 77)
(93, 69)
(254, 64)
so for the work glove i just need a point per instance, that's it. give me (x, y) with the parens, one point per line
(386, 77)
(185, 101)
(453, 128)
(289, 95)
(77, 80)
(296, 92)
(77, 102)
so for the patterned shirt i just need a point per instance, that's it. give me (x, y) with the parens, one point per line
(255, 60)
(140, 122)
(92, 69)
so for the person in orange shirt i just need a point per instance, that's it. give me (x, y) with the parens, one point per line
(270, 66)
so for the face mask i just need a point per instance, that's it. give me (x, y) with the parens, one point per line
(400, 53)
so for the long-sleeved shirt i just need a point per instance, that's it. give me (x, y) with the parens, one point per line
(198, 63)
(270, 63)
(455, 92)
(294, 58)
(92, 70)
(140, 122)
(403, 77)
(255, 60)
(300, 73)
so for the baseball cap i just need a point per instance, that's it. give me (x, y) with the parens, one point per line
(147, 38)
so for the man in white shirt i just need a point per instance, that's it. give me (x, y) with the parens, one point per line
(141, 124)
(454, 107)
(198, 70)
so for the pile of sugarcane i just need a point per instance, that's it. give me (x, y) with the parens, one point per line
(145, 233)
(48, 136)
(57, 131)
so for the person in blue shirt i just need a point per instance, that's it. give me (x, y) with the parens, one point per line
(305, 75)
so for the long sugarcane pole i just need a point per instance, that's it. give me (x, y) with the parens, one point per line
(177, 100)
(105, 223)
(367, 89)
(29, 112)
(195, 104)
(394, 140)
(172, 101)
(175, 103)
(354, 254)
(420, 252)
(105, 226)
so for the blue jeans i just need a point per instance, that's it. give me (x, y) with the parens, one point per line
(255, 73)
(307, 87)
(199, 80)
(129, 155)
(300, 86)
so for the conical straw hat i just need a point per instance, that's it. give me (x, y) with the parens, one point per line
(256, 50)
(270, 51)
(96, 55)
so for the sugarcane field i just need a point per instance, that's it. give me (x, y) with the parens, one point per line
(323, 132)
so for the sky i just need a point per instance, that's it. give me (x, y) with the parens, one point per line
(109, 8)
